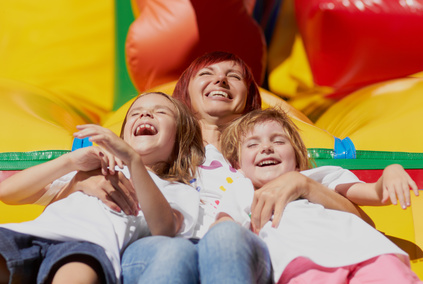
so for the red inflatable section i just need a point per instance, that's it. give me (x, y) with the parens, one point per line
(168, 35)
(353, 43)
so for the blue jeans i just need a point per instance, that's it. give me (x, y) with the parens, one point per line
(228, 253)
(32, 259)
(160, 259)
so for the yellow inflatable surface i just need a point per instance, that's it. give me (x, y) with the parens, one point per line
(381, 117)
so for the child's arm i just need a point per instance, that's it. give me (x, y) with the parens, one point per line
(393, 185)
(29, 185)
(273, 197)
(160, 217)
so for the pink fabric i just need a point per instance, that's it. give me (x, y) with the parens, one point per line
(385, 269)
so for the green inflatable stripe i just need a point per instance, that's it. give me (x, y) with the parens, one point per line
(13, 161)
(124, 89)
(368, 160)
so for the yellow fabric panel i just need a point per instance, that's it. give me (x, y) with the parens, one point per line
(381, 117)
(32, 119)
(64, 46)
(293, 75)
(403, 228)
(19, 213)
(417, 208)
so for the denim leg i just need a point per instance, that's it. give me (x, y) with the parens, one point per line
(160, 259)
(229, 253)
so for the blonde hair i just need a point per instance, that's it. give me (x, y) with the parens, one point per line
(234, 134)
(188, 151)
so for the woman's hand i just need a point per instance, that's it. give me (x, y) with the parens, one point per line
(116, 191)
(273, 197)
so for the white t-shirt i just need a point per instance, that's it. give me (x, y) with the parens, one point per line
(85, 218)
(329, 238)
(214, 177)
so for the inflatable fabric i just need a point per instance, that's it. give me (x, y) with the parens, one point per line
(380, 117)
(350, 44)
(65, 47)
(168, 35)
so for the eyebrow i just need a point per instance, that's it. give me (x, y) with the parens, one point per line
(156, 107)
(273, 135)
(210, 67)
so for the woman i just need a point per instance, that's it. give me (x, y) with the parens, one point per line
(218, 87)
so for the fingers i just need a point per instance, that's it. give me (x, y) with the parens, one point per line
(413, 186)
(124, 194)
(96, 133)
(277, 215)
(256, 209)
(262, 211)
(400, 193)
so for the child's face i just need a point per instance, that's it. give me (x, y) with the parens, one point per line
(151, 128)
(266, 153)
(218, 90)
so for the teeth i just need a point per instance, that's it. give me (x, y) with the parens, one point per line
(218, 94)
(267, 162)
(143, 127)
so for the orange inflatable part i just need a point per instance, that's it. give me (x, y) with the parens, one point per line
(168, 35)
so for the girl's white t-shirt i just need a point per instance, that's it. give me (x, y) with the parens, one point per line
(80, 217)
(328, 237)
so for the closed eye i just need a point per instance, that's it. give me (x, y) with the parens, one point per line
(251, 145)
(204, 73)
(236, 76)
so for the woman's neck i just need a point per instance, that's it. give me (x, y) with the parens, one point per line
(211, 133)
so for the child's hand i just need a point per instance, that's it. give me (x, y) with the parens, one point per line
(395, 184)
(94, 157)
(113, 145)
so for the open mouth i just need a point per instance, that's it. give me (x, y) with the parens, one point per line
(220, 94)
(267, 163)
(145, 129)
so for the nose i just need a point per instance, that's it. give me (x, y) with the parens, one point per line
(267, 149)
(221, 80)
(146, 113)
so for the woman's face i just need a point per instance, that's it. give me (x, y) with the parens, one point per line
(151, 128)
(218, 91)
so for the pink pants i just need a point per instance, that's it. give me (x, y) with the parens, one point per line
(381, 269)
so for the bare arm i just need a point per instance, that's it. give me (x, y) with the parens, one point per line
(393, 185)
(273, 197)
(160, 217)
(29, 185)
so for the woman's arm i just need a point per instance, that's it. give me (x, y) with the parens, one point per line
(115, 191)
(273, 197)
